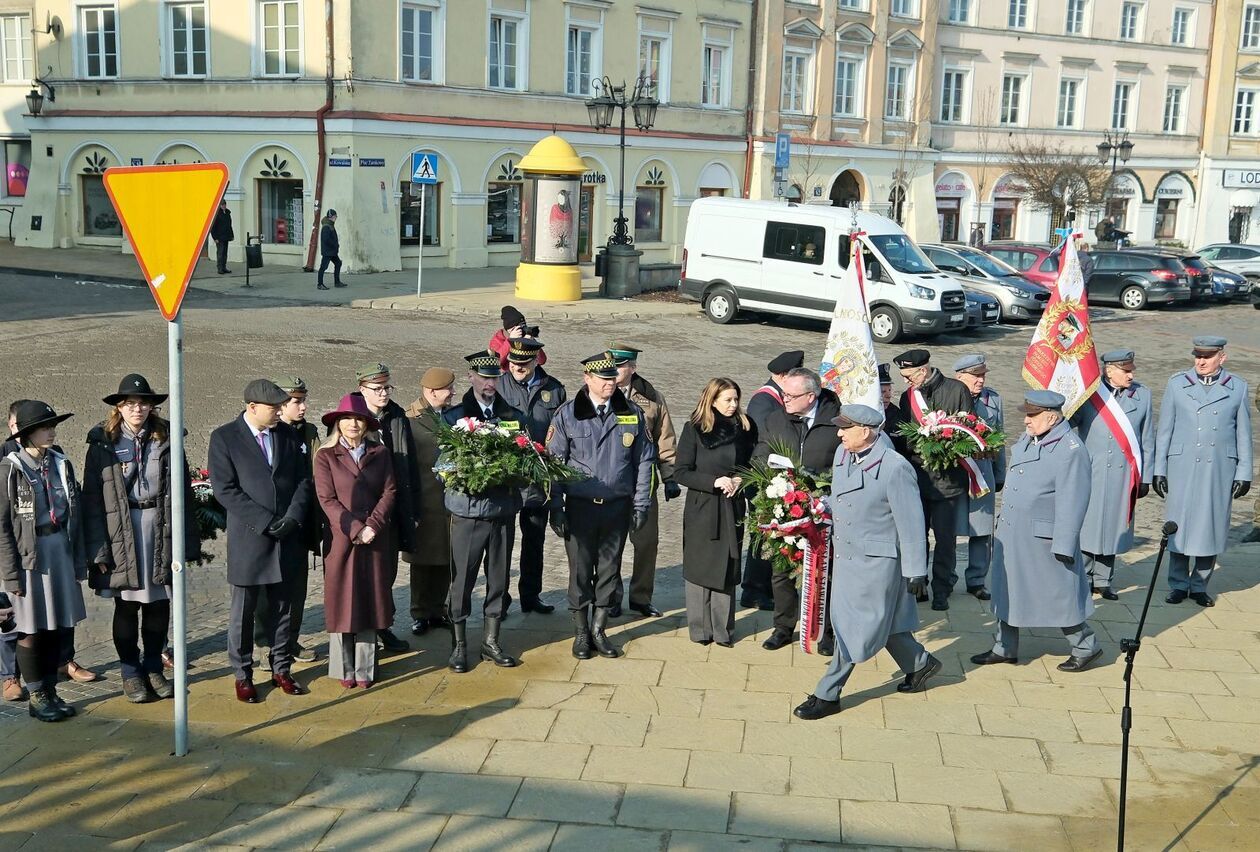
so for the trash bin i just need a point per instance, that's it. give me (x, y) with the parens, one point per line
(253, 255)
(621, 265)
(601, 265)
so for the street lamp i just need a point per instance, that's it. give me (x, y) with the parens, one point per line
(600, 108)
(35, 100)
(1116, 147)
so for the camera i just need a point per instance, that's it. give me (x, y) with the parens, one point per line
(9, 621)
(531, 331)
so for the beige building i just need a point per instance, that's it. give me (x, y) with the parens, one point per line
(311, 113)
(17, 70)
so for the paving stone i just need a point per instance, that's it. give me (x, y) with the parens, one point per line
(651, 806)
(1034, 722)
(791, 740)
(409, 719)
(1152, 703)
(657, 700)
(843, 779)
(707, 734)
(622, 765)
(1092, 760)
(1183, 804)
(1195, 683)
(709, 675)
(329, 746)
(387, 832)
(358, 789)
(619, 671)
(916, 747)
(1220, 708)
(513, 723)
(748, 773)
(583, 838)
(566, 695)
(440, 754)
(896, 824)
(162, 819)
(1242, 685)
(53, 840)
(265, 827)
(922, 716)
(996, 831)
(949, 785)
(1219, 660)
(796, 817)
(1053, 696)
(1066, 795)
(580, 726)
(1105, 728)
(473, 795)
(536, 760)
(1182, 766)
(666, 649)
(971, 691)
(1210, 736)
(992, 752)
(464, 832)
(262, 782)
(786, 679)
(566, 801)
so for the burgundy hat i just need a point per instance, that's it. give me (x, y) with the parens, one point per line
(351, 405)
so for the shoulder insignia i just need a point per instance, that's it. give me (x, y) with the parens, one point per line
(546, 396)
(627, 439)
(551, 430)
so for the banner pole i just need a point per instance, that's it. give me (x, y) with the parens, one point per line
(175, 351)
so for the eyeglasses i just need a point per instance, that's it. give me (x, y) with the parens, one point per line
(131, 403)
(790, 396)
(378, 388)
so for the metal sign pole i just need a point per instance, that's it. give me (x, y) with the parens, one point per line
(175, 351)
(420, 254)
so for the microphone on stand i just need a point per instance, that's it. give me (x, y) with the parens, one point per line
(1170, 529)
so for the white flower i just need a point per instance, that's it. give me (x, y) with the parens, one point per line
(778, 510)
(791, 540)
(466, 424)
(499, 430)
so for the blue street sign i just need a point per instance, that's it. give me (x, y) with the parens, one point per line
(782, 150)
(424, 168)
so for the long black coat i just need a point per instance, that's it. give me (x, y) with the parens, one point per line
(256, 494)
(816, 445)
(941, 393)
(713, 525)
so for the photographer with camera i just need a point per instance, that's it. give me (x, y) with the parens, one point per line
(514, 328)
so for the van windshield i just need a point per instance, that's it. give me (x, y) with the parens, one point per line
(901, 252)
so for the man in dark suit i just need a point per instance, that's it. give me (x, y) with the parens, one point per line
(261, 475)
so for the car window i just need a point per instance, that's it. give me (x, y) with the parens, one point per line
(1108, 261)
(846, 251)
(992, 265)
(1050, 264)
(1007, 255)
(1210, 253)
(1247, 254)
(901, 252)
(794, 242)
(1230, 253)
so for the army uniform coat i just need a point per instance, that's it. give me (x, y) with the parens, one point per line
(1043, 506)
(616, 454)
(537, 405)
(660, 427)
(877, 542)
(765, 399)
(1203, 444)
(1106, 531)
(980, 510)
(432, 534)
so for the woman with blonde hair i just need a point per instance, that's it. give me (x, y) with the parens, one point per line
(717, 441)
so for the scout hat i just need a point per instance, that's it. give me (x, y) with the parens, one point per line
(854, 414)
(1037, 401)
(1122, 358)
(266, 392)
(436, 378)
(885, 375)
(1207, 345)
(134, 384)
(786, 361)
(522, 350)
(974, 364)
(373, 370)
(602, 365)
(484, 363)
(511, 317)
(290, 385)
(31, 415)
(351, 405)
(622, 353)
(912, 358)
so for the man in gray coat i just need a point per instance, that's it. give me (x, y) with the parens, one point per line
(1108, 529)
(878, 560)
(977, 522)
(1202, 462)
(1038, 577)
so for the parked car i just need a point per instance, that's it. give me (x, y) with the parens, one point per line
(1018, 298)
(1228, 285)
(1034, 260)
(1197, 270)
(982, 309)
(1242, 259)
(1135, 279)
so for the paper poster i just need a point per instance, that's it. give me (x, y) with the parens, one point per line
(555, 226)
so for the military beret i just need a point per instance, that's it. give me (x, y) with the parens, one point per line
(1118, 356)
(912, 358)
(1208, 343)
(371, 371)
(622, 353)
(436, 378)
(786, 361)
(290, 384)
(484, 363)
(522, 350)
(266, 392)
(602, 365)
(885, 375)
(971, 364)
(854, 414)
(1037, 401)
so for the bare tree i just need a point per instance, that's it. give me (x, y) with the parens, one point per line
(1055, 177)
(807, 162)
(983, 120)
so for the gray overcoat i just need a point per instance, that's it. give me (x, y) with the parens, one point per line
(1043, 507)
(877, 542)
(980, 510)
(1106, 531)
(1202, 445)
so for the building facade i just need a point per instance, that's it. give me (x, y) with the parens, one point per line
(17, 70)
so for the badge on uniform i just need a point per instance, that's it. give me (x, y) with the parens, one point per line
(513, 425)
(627, 439)
(551, 430)
(627, 420)
(546, 396)
(302, 447)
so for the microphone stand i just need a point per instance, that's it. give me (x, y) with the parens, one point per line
(1130, 648)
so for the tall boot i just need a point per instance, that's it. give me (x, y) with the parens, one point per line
(582, 634)
(490, 649)
(598, 639)
(459, 653)
(41, 706)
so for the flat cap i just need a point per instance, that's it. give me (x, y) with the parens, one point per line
(1208, 343)
(266, 392)
(622, 353)
(371, 371)
(1037, 401)
(602, 364)
(484, 363)
(524, 349)
(885, 375)
(1118, 356)
(436, 378)
(973, 363)
(912, 358)
(787, 361)
(854, 414)
(290, 384)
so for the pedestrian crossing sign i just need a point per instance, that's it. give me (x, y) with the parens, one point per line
(424, 168)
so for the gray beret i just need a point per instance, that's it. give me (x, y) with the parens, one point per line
(861, 415)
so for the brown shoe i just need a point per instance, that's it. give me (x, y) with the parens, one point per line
(77, 673)
(13, 690)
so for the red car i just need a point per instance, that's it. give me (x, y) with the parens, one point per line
(1032, 259)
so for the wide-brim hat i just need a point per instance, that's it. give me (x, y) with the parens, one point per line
(134, 384)
(31, 415)
(352, 405)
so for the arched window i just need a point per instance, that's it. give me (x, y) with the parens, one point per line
(503, 203)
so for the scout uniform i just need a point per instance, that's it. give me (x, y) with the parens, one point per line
(610, 444)
(1038, 577)
(1108, 528)
(977, 519)
(1202, 461)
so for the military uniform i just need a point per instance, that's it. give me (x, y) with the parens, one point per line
(976, 522)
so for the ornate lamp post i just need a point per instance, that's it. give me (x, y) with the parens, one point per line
(608, 99)
(1116, 146)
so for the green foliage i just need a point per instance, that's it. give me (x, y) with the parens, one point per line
(475, 458)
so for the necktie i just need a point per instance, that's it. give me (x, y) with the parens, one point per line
(52, 504)
(488, 412)
(262, 445)
(603, 411)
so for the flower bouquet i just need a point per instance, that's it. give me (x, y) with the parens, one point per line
(944, 441)
(475, 456)
(210, 514)
(785, 503)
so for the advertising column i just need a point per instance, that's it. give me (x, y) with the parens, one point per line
(549, 222)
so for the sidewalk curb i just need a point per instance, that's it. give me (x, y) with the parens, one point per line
(564, 313)
(72, 276)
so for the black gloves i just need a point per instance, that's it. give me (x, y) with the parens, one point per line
(997, 489)
(917, 586)
(282, 528)
(560, 522)
(672, 490)
(1143, 490)
(640, 519)
(1065, 559)
(1159, 484)
(1241, 487)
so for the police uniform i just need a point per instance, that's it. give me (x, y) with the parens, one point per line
(537, 398)
(1202, 462)
(609, 443)
(976, 522)
(1108, 529)
(482, 528)
(1038, 576)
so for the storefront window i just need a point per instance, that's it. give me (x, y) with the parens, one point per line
(1004, 210)
(710, 192)
(1239, 224)
(649, 205)
(99, 218)
(17, 168)
(280, 212)
(503, 213)
(1118, 209)
(409, 226)
(1166, 218)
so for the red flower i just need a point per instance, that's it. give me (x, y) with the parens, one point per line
(982, 429)
(785, 551)
(787, 498)
(971, 418)
(796, 511)
(947, 432)
(540, 448)
(522, 441)
(798, 555)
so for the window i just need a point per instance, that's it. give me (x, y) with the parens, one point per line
(409, 225)
(1069, 101)
(903, 8)
(896, 91)
(649, 204)
(280, 210)
(654, 57)
(795, 243)
(1165, 218)
(848, 85)
(1074, 24)
(1174, 98)
(580, 61)
(1017, 14)
(959, 11)
(503, 207)
(795, 95)
(17, 167)
(1244, 112)
(420, 49)
(1130, 18)
(1251, 28)
(852, 4)
(504, 55)
(1180, 32)
(715, 82)
(188, 56)
(1011, 111)
(15, 42)
(1120, 106)
(100, 41)
(99, 218)
(953, 86)
(281, 38)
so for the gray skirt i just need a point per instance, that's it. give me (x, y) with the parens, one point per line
(54, 597)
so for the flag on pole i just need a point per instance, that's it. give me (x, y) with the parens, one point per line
(849, 367)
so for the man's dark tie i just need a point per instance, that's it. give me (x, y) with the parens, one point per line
(603, 412)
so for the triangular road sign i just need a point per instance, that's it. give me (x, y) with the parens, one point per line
(166, 213)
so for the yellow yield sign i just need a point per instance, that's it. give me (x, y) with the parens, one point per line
(166, 213)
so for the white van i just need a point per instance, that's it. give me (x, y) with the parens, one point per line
(790, 258)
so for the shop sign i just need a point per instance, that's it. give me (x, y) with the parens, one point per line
(594, 177)
(1123, 190)
(1242, 178)
(339, 162)
(372, 162)
(950, 188)
(1009, 186)
(1170, 192)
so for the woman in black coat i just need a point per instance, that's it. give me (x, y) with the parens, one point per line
(717, 440)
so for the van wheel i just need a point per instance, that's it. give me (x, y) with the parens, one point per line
(885, 325)
(1133, 298)
(720, 305)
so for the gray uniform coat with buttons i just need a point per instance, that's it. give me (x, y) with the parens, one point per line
(1043, 507)
(616, 454)
(1202, 445)
(980, 510)
(877, 542)
(1108, 529)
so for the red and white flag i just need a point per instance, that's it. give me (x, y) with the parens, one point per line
(849, 367)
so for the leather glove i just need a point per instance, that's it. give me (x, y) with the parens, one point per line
(1143, 490)
(1065, 559)
(1159, 484)
(997, 489)
(917, 586)
(672, 490)
(640, 519)
(282, 528)
(1241, 487)
(560, 522)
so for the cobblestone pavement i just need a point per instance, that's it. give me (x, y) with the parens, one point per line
(676, 746)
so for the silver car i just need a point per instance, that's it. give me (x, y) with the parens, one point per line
(1018, 298)
(1243, 260)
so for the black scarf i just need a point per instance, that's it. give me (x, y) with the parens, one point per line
(726, 430)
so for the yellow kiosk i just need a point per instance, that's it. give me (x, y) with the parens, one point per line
(549, 220)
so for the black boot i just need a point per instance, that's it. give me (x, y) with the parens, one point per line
(459, 653)
(41, 707)
(490, 649)
(50, 689)
(598, 639)
(582, 634)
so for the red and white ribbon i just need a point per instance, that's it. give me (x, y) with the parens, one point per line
(1104, 402)
(976, 484)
